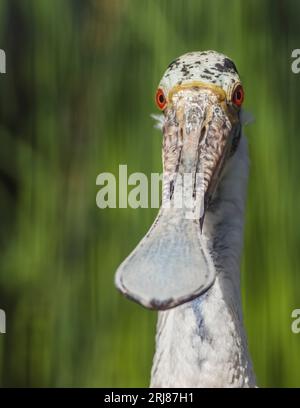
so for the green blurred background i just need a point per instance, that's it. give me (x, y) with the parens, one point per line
(75, 102)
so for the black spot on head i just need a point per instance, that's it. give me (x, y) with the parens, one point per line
(174, 63)
(230, 65)
(219, 67)
(226, 66)
(206, 77)
(185, 70)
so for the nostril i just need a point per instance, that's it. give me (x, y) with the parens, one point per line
(181, 134)
(202, 134)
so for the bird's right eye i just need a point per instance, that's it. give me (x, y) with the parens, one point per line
(160, 99)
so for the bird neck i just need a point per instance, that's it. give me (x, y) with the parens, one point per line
(202, 343)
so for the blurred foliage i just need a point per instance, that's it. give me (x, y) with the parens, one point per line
(75, 102)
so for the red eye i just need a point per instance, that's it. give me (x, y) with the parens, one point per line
(238, 96)
(160, 99)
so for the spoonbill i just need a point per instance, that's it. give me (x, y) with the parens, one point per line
(188, 264)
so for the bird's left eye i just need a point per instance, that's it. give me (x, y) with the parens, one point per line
(160, 99)
(238, 96)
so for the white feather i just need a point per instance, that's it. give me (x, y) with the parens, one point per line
(159, 120)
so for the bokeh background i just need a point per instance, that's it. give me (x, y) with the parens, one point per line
(75, 102)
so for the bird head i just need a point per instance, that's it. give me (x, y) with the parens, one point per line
(200, 95)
